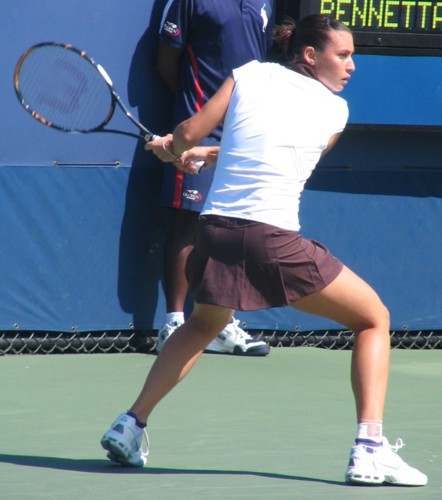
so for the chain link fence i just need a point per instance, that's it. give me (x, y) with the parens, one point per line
(142, 341)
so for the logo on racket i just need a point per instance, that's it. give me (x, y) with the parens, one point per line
(64, 88)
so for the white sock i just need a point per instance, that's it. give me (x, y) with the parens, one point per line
(175, 316)
(370, 430)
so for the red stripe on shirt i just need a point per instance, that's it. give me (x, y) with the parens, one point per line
(199, 94)
(199, 100)
(177, 195)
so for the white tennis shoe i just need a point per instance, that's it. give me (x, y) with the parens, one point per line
(127, 444)
(234, 340)
(165, 332)
(381, 464)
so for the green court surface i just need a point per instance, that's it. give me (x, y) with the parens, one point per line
(278, 427)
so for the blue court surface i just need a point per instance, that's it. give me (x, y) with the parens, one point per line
(278, 427)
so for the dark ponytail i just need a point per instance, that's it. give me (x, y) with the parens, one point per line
(290, 37)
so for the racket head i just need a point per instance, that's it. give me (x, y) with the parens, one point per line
(63, 88)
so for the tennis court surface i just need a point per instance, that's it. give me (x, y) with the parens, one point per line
(279, 427)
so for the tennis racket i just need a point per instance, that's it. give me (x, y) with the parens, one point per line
(65, 89)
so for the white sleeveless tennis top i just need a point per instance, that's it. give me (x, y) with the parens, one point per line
(277, 125)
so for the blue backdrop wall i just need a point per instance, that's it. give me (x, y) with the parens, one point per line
(81, 226)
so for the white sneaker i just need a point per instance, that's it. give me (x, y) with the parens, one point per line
(376, 465)
(234, 340)
(126, 443)
(165, 332)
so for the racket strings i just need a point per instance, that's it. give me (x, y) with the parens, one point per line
(65, 88)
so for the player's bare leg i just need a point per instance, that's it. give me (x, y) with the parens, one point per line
(179, 244)
(179, 355)
(350, 301)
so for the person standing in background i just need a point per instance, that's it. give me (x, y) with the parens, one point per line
(200, 43)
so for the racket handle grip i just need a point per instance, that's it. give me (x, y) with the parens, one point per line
(200, 166)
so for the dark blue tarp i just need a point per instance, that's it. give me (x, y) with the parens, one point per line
(81, 227)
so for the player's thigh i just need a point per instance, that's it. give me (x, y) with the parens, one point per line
(348, 300)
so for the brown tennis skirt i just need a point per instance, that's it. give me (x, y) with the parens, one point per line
(246, 265)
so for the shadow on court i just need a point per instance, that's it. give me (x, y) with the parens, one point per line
(104, 467)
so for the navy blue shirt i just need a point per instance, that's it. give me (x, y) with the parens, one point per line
(218, 36)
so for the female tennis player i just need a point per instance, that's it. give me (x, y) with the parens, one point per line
(278, 122)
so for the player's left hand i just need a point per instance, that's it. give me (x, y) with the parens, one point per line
(198, 158)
